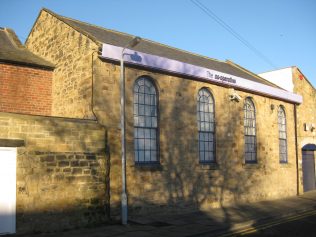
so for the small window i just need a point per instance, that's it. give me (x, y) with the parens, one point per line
(206, 126)
(145, 121)
(250, 132)
(282, 135)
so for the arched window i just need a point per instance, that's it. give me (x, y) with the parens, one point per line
(282, 135)
(250, 131)
(145, 121)
(206, 126)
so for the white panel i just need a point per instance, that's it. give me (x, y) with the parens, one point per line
(170, 65)
(282, 78)
(7, 190)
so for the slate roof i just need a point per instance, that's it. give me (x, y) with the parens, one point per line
(12, 51)
(101, 35)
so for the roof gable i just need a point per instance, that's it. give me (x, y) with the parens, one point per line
(101, 35)
(13, 51)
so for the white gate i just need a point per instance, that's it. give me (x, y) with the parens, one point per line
(7, 190)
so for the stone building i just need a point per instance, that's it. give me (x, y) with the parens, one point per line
(293, 80)
(200, 133)
(175, 156)
(52, 169)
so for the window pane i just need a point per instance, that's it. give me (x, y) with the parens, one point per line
(282, 135)
(206, 147)
(145, 121)
(206, 125)
(250, 131)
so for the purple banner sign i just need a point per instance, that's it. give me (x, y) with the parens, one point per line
(200, 73)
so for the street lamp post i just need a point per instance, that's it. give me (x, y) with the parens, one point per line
(130, 44)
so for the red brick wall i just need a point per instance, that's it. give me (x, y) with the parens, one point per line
(25, 90)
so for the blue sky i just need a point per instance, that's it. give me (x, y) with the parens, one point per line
(283, 30)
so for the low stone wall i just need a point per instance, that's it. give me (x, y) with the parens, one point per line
(61, 172)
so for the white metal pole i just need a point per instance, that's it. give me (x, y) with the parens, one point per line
(124, 195)
(131, 43)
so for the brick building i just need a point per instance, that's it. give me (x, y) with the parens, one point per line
(50, 168)
(200, 133)
(25, 79)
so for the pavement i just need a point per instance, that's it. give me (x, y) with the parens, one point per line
(224, 221)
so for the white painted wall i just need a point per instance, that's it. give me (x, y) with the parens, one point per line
(7, 190)
(281, 77)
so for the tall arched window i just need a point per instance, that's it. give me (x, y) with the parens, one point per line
(206, 126)
(145, 121)
(282, 135)
(250, 131)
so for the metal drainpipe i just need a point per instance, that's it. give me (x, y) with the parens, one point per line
(296, 151)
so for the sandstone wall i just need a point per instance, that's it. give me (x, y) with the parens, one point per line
(306, 113)
(61, 172)
(71, 52)
(180, 182)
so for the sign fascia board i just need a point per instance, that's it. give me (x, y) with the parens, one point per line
(161, 63)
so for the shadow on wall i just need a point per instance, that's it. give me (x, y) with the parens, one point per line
(181, 184)
(61, 174)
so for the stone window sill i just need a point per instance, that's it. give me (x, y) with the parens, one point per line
(209, 166)
(148, 166)
(285, 165)
(251, 165)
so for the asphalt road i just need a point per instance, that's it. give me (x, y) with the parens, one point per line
(303, 225)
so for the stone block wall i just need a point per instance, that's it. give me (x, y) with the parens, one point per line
(25, 90)
(62, 172)
(71, 52)
(306, 113)
(180, 182)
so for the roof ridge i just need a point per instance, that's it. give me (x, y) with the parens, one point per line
(74, 27)
(126, 34)
(13, 38)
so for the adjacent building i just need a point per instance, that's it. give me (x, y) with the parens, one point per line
(292, 79)
(52, 169)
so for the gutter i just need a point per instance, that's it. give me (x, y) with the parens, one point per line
(26, 64)
(296, 152)
(107, 149)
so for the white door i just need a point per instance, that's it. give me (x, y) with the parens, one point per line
(7, 190)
